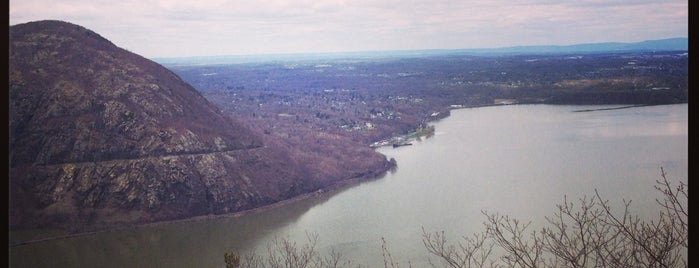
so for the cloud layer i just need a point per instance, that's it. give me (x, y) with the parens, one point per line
(234, 27)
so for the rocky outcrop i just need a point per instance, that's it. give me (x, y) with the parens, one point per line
(100, 137)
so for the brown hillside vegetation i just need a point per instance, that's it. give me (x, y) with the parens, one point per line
(100, 137)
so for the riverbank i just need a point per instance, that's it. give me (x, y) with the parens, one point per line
(331, 189)
(613, 108)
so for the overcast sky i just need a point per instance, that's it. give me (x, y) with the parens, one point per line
(177, 28)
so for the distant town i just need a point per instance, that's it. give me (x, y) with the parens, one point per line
(369, 100)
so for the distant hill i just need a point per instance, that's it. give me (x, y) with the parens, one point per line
(100, 136)
(671, 44)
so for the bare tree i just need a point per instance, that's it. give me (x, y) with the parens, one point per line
(473, 253)
(285, 253)
(658, 243)
(587, 235)
(388, 258)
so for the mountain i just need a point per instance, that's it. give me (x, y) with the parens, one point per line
(78, 98)
(102, 137)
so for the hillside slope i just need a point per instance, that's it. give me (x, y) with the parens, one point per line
(100, 137)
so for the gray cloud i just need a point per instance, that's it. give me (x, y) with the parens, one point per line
(219, 27)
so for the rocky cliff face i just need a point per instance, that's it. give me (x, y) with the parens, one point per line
(100, 136)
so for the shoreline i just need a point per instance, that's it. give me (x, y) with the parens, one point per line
(612, 108)
(332, 188)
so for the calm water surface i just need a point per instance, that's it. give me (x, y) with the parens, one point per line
(516, 160)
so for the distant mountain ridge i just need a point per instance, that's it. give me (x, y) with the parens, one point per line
(669, 44)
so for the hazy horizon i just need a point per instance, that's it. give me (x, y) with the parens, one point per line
(165, 29)
(369, 53)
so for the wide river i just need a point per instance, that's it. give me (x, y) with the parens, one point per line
(516, 160)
